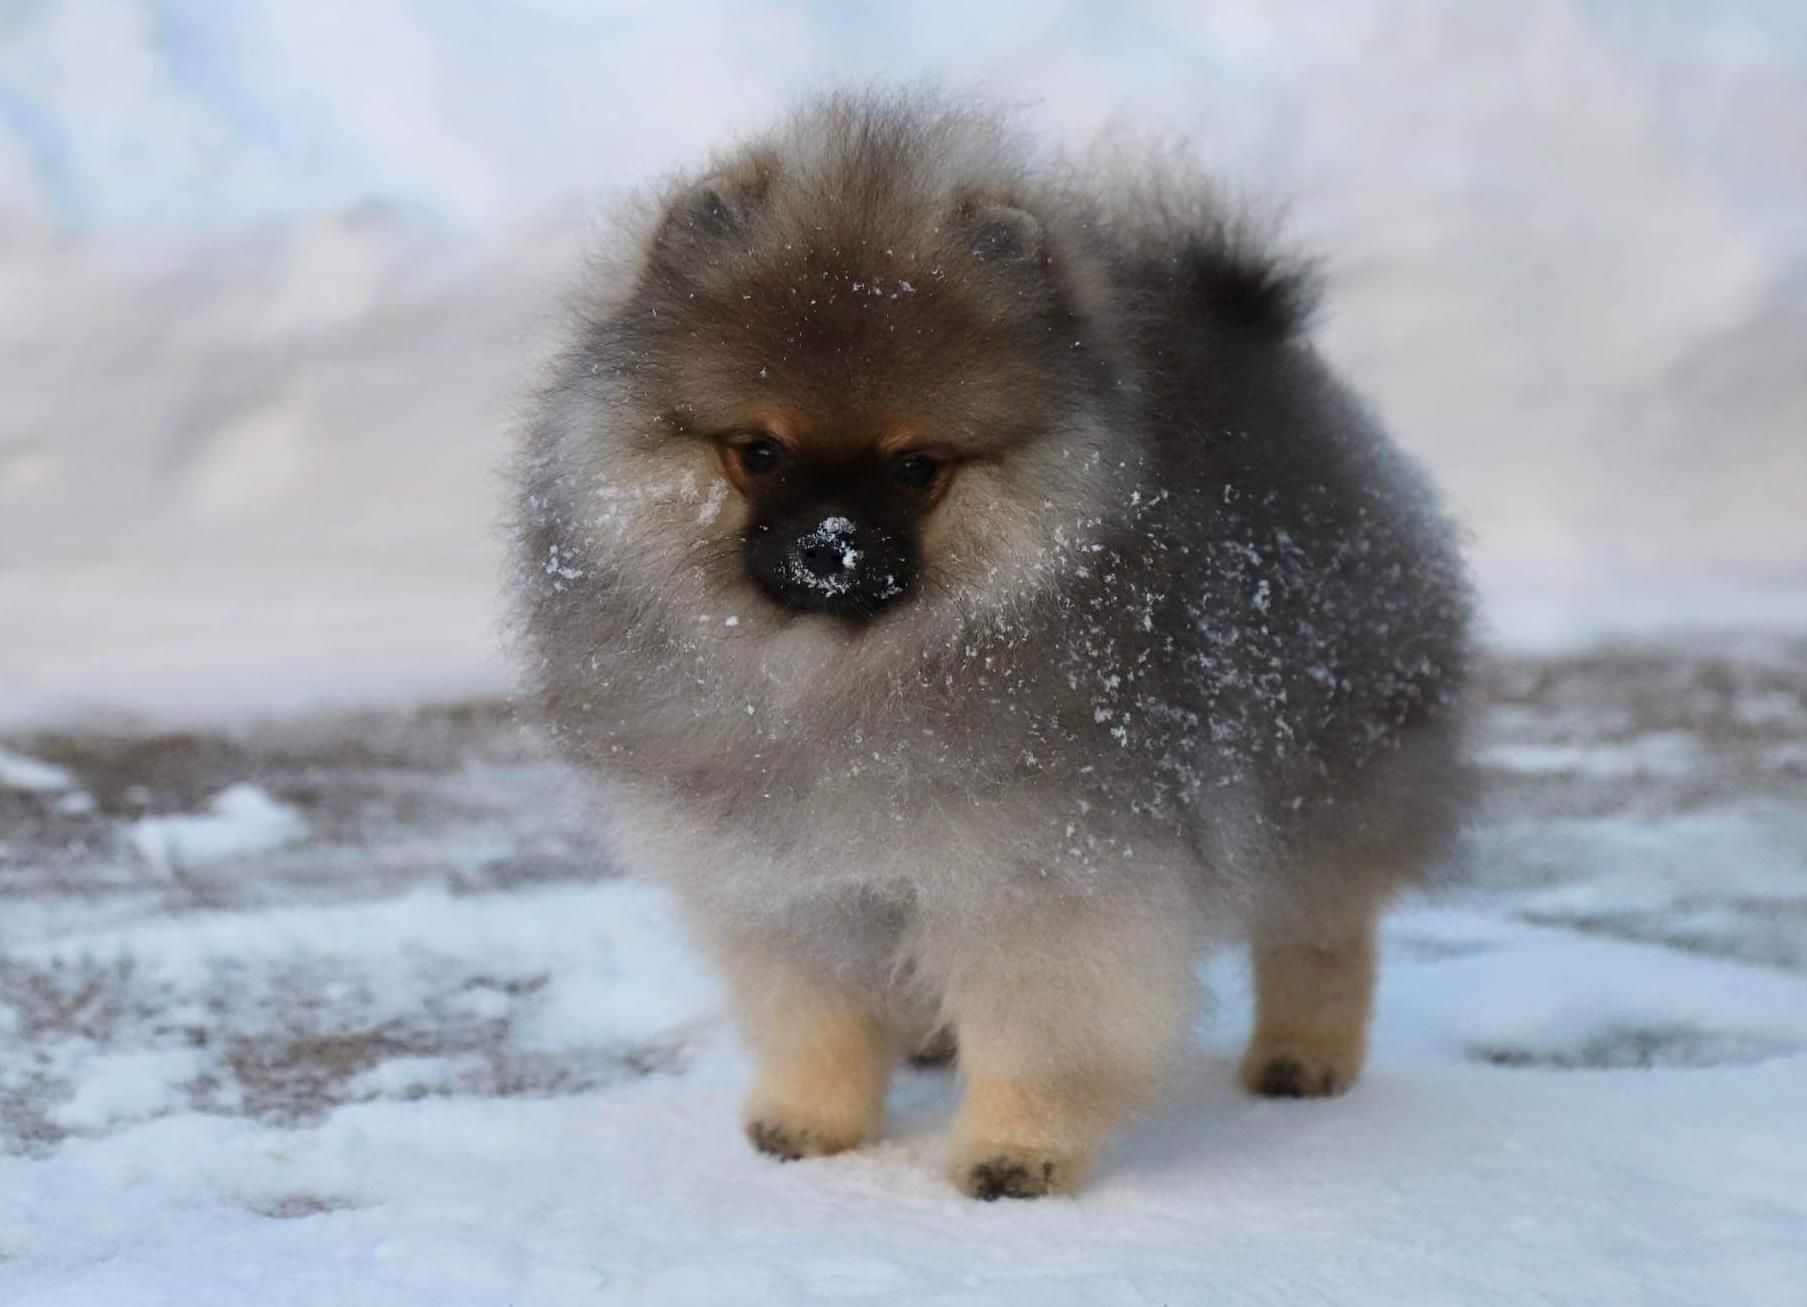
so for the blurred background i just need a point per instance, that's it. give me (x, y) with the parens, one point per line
(272, 272)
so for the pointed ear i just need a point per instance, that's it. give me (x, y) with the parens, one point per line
(1002, 233)
(718, 207)
(708, 209)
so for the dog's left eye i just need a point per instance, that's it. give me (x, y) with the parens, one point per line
(915, 471)
(760, 455)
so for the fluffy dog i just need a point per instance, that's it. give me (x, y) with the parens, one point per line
(971, 594)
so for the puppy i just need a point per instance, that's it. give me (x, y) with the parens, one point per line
(971, 593)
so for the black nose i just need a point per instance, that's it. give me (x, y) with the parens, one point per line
(830, 552)
(823, 562)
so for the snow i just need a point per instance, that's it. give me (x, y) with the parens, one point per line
(18, 772)
(239, 820)
(831, 533)
(383, 1066)
(1464, 1168)
(125, 1087)
(1271, 1223)
(1670, 753)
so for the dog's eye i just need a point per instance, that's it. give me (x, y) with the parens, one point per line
(759, 455)
(915, 471)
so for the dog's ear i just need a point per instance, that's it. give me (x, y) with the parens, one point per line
(719, 208)
(1002, 233)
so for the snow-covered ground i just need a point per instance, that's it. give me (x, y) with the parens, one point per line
(352, 1009)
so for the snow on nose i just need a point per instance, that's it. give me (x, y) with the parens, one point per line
(825, 557)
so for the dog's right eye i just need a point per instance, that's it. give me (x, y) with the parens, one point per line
(759, 455)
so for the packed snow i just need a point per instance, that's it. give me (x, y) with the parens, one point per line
(18, 772)
(1550, 1117)
(239, 820)
(435, 1051)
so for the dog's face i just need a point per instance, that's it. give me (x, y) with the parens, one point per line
(889, 387)
(834, 520)
(862, 467)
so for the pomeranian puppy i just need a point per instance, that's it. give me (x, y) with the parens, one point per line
(972, 594)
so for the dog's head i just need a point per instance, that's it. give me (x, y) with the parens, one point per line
(877, 366)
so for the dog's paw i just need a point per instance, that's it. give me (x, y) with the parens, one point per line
(790, 1136)
(1298, 1072)
(1014, 1173)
